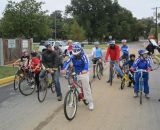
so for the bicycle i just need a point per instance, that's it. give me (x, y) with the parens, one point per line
(72, 97)
(126, 79)
(27, 83)
(141, 80)
(112, 72)
(99, 69)
(45, 83)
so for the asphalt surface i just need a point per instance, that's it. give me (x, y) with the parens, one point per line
(114, 109)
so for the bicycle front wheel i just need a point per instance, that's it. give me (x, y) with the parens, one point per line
(123, 83)
(70, 105)
(42, 90)
(26, 86)
(99, 71)
(111, 76)
(16, 82)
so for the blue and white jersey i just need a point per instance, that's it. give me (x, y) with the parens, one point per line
(142, 63)
(125, 49)
(97, 52)
(81, 63)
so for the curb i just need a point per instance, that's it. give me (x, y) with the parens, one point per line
(6, 80)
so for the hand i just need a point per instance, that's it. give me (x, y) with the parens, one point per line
(132, 69)
(84, 72)
(149, 69)
(63, 71)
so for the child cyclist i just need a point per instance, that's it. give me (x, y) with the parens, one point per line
(130, 64)
(81, 66)
(142, 63)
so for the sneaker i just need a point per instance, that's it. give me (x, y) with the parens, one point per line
(94, 76)
(59, 98)
(91, 106)
(135, 95)
(147, 96)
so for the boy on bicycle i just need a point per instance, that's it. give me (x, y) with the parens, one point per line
(97, 56)
(142, 63)
(124, 50)
(81, 67)
(129, 63)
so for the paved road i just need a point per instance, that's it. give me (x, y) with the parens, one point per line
(114, 109)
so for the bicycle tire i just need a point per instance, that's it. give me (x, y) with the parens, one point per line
(74, 101)
(140, 98)
(28, 89)
(98, 71)
(123, 84)
(111, 76)
(16, 82)
(53, 88)
(42, 89)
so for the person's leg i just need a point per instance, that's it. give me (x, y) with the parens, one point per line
(86, 88)
(94, 67)
(37, 79)
(136, 86)
(56, 77)
(146, 86)
(119, 71)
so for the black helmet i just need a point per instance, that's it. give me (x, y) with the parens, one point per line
(132, 55)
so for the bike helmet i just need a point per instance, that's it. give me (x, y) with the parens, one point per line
(113, 42)
(124, 41)
(132, 55)
(142, 51)
(76, 49)
(96, 43)
(47, 43)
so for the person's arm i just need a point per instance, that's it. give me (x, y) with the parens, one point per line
(117, 53)
(86, 66)
(134, 66)
(44, 62)
(107, 53)
(66, 63)
(126, 63)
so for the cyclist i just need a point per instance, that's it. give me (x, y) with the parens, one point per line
(50, 60)
(142, 63)
(125, 50)
(152, 46)
(114, 52)
(130, 64)
(96, 55)
(81, 66)
(35, 64)
(70, 42)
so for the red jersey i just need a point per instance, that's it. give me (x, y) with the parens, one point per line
(69, 48)
(113, 53)
(35, 61)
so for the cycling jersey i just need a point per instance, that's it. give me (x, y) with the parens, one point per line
(79, 64)
(96, 52)
(124, 49)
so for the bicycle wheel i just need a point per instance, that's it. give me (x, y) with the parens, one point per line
(16, 82)
(123, 83)
(111, 76)
(70, 105)
(26, 86)
(141, 97)
(42, 90)
(99, 71)
(53, 87)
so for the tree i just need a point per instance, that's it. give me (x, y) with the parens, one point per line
(77, 32)
(25, 18)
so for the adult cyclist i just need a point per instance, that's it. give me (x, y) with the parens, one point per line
(81, 67)
(114, 52)
(96, 55)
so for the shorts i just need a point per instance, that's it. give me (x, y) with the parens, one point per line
(94, 60)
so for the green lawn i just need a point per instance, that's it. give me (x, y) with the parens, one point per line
(35, 46)
(6, 71)
(103, 46)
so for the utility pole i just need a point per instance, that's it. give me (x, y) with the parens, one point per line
(156, 27)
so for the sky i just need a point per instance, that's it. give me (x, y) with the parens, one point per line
(139, 8)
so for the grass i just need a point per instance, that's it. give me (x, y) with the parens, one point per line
(35, 46)
(6, 71)
(103, 46)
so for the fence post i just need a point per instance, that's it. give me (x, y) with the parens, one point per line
(1, 52)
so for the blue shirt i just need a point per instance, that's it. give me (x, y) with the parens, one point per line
(79, 64)
(97, 52)
(141, 63)
(128, 62)
(125, 49)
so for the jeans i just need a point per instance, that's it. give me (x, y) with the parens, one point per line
(55, 77)
(117, 68)
(145, 82)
